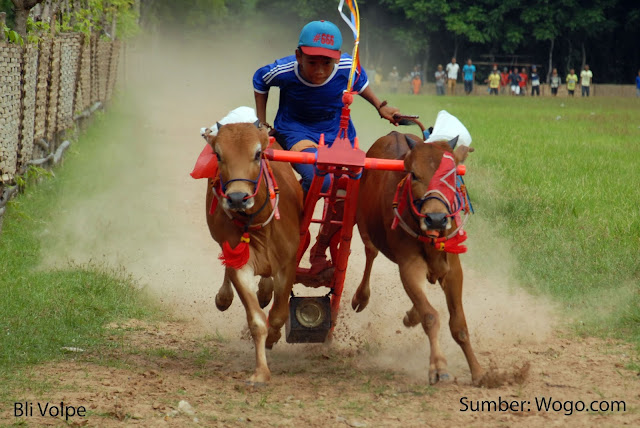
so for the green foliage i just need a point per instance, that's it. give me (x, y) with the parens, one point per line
(12, 36)
(35, 28)
(128, 17)
(188, 15)
(7, 6)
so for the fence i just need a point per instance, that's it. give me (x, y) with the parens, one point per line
(44, 88)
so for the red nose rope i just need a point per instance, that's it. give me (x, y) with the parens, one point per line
(459, 199)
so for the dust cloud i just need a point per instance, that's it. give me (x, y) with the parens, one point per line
(149, 217)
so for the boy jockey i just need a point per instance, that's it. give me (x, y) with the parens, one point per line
(311, 85)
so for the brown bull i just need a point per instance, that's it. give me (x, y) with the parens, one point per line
(417, 257)
(244, 206)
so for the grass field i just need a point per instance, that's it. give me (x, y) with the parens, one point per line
(558, 180)
(44, 311)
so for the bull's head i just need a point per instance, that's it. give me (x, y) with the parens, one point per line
(433, 183)
(239, 147)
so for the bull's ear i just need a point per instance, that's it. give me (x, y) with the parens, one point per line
(264, 136)
(209, 137)
(461, 153)
(453, 142)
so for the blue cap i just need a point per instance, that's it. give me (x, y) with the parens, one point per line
(321, 38)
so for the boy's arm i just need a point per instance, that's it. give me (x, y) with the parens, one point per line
(385, 111)
(261, 106)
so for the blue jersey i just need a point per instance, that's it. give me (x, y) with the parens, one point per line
(468, 71)
(307, 110)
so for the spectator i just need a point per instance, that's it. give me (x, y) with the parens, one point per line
(416, 83)
(504, 81)
(416, 72)
(452, 75)
(638, 84)
(585, 80)
(394, 79)
(514, 81)
(572, 80)
(523, 81)
(469, 74)
(555, 81)
(494, 81)
(441, 78)
(535, 81)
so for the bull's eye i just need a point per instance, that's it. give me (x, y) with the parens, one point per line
(258, 155)
(414, 176)
(218, 157)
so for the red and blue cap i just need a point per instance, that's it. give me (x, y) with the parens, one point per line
(321, 38)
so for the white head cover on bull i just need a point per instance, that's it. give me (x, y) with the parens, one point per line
(238, 115)
(448, 127)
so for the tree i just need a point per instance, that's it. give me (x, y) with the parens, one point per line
(548, 20)
(22, 9)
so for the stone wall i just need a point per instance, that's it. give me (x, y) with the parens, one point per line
(10, 96)
(43, 87)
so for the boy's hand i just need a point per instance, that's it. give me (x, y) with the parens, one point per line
(388, 112)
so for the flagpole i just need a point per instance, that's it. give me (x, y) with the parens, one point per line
(354, 24)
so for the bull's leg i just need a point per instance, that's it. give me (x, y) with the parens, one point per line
(225, 294)
(265, 291)
(361, 297)
(242, 280)
(283, 283)
(452, 286)
(412, 274)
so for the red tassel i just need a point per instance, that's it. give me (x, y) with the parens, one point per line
(453, 245)
(237, 257)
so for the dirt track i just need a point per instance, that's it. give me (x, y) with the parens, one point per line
(375, 374)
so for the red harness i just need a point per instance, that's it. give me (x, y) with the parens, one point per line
(444, 188)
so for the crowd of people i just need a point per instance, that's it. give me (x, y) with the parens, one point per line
(510, 81)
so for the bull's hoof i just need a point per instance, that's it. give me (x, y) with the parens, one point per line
(411, 319)
(272, 338)
(439, 376)
(478, 379)
(223, 304)
(359, 304)
(265, 291)
(264, 299)
(259, 378)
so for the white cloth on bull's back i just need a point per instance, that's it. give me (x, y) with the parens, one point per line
(238, 115)
(448, 127)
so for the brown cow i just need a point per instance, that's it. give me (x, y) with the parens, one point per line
(244, 202)
(416, 258)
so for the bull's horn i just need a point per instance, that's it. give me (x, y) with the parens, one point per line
(452, 143)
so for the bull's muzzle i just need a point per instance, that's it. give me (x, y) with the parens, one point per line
(435, 221)
(238, 201)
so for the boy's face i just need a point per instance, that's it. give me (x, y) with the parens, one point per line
(315, 69)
